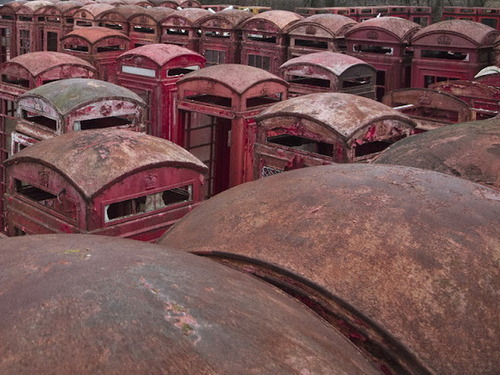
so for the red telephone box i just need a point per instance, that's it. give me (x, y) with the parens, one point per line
(86, 15)
(383, 42)
(265, 43)
(217, 106)
(8, 30)
(450, 50)
(483, 99)
(221, 36)
(459, 13)
(324, 128)
(145, 26)
(152, 71)
(55, 20)
(429, 108)
(99, 46)
(329, 72)
(489, 16)
(181, 28)
(118, 17)
(321, 32)
(109, 182)
(27, 27)
(72, 105)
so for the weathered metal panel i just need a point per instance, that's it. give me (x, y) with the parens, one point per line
(403, 261)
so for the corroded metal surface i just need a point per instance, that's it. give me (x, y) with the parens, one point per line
(92, 159)
(344, 114)
(36, 63)
(470, 151)
(120, 13)
(91, 11)
(160, 53)
(477, 33)
(187, 16)
(336, 63)
(334, 24)
(238, 78)
(404, 261)
(228, 19)
(398, 28)
(68, 94)
(279, 18)
(90, 304)
(94, 35)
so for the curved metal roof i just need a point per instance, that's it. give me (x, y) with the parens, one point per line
(191, 15)
(36, 63)
(68, 94)
(228, 19)
(160, 53)
(31, 7)
(94, 304)
(124, 12)
(336, 63)
(400, 28)
(334, 23)
(61, 7)
(156, 13)
(413, 253)
(238, 78)
(280, 18)
(476, 32)
(344, 114)
(95, 9)
(468, 150)
(93, 159)
(95, 34)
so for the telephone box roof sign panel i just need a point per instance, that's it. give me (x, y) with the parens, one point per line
(95, 35)
(272, 21)
(141, 3)
(334, 63)
(235, 77)
(341, 115)
(226, 20)
(68, 95)
(163, 55)
(322, 26)
(357, 214)
(94, 159)
(384, 29)
(429, 108)
(32, 65)
(455, 33)
(178, 313)
(462, 150)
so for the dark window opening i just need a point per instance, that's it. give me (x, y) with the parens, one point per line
(54, 19)
(218, 34)
(359, 81)
(144, 30)
(215, 57)
(104, 122)
(114, 26)
(70, 21)
(177, 32)
(212, 99)
(311, 43)
(52, 41)
(179, 71)
(447, 55)
(15, 81)
(373, 49)
(262, 38)
(76, 48)
(148, 203)
(262, 100)
(304, 144)
(24, 18)
(32, 192)
(19, 232)
(7, 17)
(263, 62)
(310, 81)
(491, 22)
(116, 47)
(40, 120)
(84, 23)
(370, 148)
